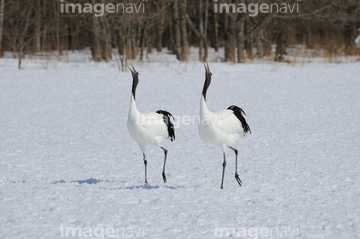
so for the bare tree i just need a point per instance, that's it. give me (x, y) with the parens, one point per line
(2, 4)
(37, 28)
(160, 25)
(240, 36)
(216, 31)
(95, 41)
(105, 39)
(177, 24)
(177, 32)
(230, 38)
(203, 24)
(184, 41)
(19, 23)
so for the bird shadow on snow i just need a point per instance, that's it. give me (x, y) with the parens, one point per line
(147, 187)
(96, 181)
(86, 181)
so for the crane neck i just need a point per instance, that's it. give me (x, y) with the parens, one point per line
(133, 111)
(134, 85)
(206, 85)
(203, 107)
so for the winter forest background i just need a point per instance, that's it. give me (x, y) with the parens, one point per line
(328, 27)
(69, 168)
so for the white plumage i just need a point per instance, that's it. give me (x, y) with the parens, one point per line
(148, 128)
(222, 128)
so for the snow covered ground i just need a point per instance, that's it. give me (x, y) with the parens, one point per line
(68, 166)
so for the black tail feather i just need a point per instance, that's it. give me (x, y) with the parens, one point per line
(238, 113)
(170, 126)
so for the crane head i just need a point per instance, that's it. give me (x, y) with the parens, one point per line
(133, 71)
(207, 70)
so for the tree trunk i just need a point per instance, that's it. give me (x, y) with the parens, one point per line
(105, 40)
(160, 27)
(133, 45)
(177, 29)
(142, 39)
(267, 42)
(205, 30)
(250, 38)
(259, 45)
(120, 43)
(172, 41)
(69, 36)
(45, 28)
(57, 29)
(2, 3)
(148, 39)
(230, 40)
(37, 29)
(309, 39)
(216, 32)
(280, 46)
(21, 55)
(95, 42)
(240, 38)
(184, 43)
(201, 41)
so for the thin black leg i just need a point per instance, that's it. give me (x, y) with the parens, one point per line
(145, 162)
(224, 165)
(163, 173)
(236, 173)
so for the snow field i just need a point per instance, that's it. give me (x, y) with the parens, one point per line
(67, 160)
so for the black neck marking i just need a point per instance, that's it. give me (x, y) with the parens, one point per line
(135, 83)
(207, 82)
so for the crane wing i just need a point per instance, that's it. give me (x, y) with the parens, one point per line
(170, 126)
(231, 121)
(153, 124)
(238, 113)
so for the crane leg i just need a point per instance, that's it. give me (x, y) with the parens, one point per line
(163, 173)
(236, 173)
(224, 165)
(145, 162)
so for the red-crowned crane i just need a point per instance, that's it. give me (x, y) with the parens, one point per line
(222, 128)
(148, 128)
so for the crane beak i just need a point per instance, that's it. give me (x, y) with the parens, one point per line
(130, 69)
(207, 69)
(206, 65)
(133, 69)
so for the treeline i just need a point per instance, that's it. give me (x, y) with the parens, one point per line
(245, 28)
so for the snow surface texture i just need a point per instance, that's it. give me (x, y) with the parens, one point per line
(67, 160)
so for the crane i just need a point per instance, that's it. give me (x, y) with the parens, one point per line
(222, 128)
(149, 128)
